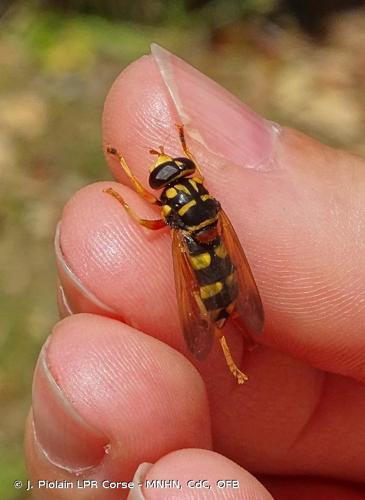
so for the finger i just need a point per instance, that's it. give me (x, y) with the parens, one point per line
(293, 408)
(298, 209)
(106, 398)
(198, 474)
(114, 243)
(130, 270)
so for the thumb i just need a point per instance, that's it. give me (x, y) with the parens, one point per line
(297, 205)
(198, 473)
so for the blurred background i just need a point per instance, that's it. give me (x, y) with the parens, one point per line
(300, 62)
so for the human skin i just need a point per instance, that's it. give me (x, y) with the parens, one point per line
(108, 396)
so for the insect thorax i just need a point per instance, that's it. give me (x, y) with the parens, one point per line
(187, 205)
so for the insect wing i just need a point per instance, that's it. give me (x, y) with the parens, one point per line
(249, 305)
(197, 326)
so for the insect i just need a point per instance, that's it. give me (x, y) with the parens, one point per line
(212, 276)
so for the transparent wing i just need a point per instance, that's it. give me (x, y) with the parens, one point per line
(197, 326)
(249, 305)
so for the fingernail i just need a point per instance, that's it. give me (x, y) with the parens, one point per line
(136, 493)
(61, 435)
(214, 118)
(64, 308)
(74, 297)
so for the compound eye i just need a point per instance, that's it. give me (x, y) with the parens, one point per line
(163, 174)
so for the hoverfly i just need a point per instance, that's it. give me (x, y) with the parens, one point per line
(212, 276)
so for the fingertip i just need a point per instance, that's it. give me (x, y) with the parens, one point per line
(107, 257)
(137, 114)
(288, 209)
(106, 397)
(198, 473)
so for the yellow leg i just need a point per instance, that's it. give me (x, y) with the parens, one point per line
(149, 224)
(186, 150)
(142, 191)
(239, 376)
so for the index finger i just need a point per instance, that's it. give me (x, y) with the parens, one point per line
(298, 208)
(299, 252)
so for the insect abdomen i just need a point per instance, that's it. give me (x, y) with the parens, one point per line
(216, 277)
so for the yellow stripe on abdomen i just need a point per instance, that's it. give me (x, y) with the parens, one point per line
(220, 251)
(230, 280)
(201, 261)
(208, 291)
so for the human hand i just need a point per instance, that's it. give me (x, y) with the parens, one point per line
(108, 397)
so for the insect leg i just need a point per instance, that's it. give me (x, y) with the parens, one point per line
(186, 150)
(142, 191)
(149, 224)
(241, 377)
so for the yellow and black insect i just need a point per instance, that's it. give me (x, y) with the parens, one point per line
(212, 276)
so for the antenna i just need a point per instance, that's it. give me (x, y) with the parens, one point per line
(158, 153)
